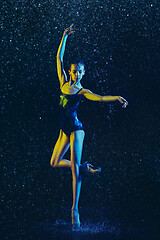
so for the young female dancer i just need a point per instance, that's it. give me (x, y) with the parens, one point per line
(71, 132)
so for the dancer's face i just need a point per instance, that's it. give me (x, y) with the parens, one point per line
(77, 71)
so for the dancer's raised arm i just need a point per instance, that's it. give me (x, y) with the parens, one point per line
(61, 73)
(95, 97)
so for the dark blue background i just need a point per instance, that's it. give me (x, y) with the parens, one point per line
(118, 41)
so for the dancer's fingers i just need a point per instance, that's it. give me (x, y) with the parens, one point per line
(71, 32)
(71, 25)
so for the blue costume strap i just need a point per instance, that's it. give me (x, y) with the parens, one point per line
(79, 90)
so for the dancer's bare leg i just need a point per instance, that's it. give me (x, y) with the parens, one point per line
(76, 145)
(60, 149)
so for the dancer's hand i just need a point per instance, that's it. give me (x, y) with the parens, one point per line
(122, 101)
(68, 30)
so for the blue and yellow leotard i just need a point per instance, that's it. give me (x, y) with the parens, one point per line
(69, 119)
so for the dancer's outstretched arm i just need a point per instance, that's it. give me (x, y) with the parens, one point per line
(95, 97)
(61, 73)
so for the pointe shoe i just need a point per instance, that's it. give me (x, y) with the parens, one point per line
(75, 218)
(86, 167)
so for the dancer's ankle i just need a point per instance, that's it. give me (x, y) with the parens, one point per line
(74, 209)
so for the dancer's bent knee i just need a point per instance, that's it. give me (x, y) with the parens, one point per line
(53, 162)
